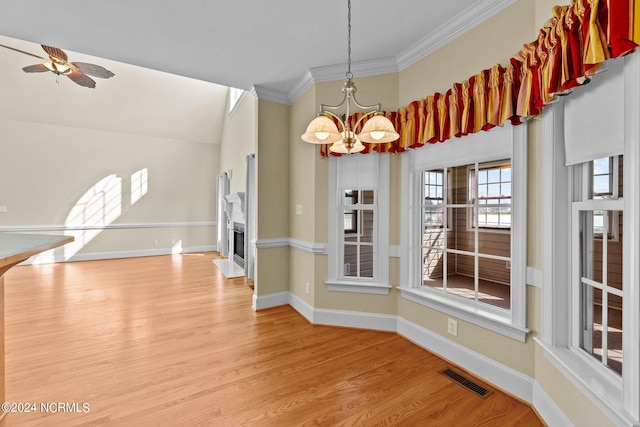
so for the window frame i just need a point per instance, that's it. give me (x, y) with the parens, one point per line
(498, 144)
(617, 397)
(471, 199)
(236, 96)
(614, 184)
(357, 209)
(357, 172)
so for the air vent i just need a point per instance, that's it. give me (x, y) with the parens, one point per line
(466, 383)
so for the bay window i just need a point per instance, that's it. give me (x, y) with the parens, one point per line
(464, 224)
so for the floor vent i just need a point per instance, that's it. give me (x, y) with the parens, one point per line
(466, 383)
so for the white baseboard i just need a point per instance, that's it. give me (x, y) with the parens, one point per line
(547, 408)
(95, 256)
(302, 307)
(502, 376)
(353, 319)
(271, 300)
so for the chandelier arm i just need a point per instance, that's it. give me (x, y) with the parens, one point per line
(325, 107)
(377, 107)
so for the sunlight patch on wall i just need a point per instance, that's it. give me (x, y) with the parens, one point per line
(98, 207)
(139, 183)
(177, 248)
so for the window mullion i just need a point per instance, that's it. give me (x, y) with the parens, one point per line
(605, 292)
(476, 238)
(445, 227)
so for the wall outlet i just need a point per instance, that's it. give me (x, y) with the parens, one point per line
(509, 265)
(173, 242)
(452, 327)
(298, 209)
(3, 209)
(155, 243)
(306, 287)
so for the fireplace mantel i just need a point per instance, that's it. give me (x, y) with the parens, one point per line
(235, 208)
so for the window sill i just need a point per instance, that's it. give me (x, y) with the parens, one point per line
(358, 287)
(600, 388)
(485, 318)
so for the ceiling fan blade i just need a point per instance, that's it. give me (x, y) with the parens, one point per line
(93, 70)
(55, 53)
(82, 79)
(22, 51)
(37, 68)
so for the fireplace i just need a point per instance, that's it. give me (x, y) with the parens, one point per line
(238, 243)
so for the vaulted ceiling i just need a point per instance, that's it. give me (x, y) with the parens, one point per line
(270, 45)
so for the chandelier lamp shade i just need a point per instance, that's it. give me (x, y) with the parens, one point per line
(377, 129)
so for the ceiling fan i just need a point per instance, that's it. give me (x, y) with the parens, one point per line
(58, 63)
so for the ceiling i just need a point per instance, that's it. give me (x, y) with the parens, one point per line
(272, 46)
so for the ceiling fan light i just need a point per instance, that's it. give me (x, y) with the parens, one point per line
(322, 130)
(377, 130)
(57, 67)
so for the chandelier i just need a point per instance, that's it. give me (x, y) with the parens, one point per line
(323, 130)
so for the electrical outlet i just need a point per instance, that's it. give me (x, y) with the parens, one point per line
(173, 242)
(306, 287)
(155, 243)
(3, 209)
(298, 209)
(508, 264)
(452, 327)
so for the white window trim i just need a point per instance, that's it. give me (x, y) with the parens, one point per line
(235, 100)
(341, 243)
(618, 399)
(470, 226)
(514, 145)
(379, 285)
(615, 178)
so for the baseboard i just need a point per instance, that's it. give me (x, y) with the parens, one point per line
(271, 300)
(502, 376)
(547, 408)
(95, 256)
(354, 319)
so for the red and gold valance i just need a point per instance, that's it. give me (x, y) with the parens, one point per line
(568, 50)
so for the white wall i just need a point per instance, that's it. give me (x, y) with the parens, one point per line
(69, 155)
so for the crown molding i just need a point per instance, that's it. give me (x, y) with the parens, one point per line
(373, 67)
(447, 32)
(305, 83)
(450, 30)
(267, 94)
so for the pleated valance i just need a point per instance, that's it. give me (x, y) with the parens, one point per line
(568, 51)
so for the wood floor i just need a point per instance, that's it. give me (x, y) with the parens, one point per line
(167, 341)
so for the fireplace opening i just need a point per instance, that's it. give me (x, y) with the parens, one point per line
(238, 243)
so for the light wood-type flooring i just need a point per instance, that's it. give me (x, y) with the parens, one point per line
(168, 341)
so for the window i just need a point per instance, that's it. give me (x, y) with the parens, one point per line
(490, 185)
(597, 263)
(358, 239)
(358, 220)
(235, 96)
(462, 261)
(606, 183)
(591, 240)
(464, 229)
(350, 215)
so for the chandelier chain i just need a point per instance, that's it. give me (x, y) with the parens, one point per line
(349, 74)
